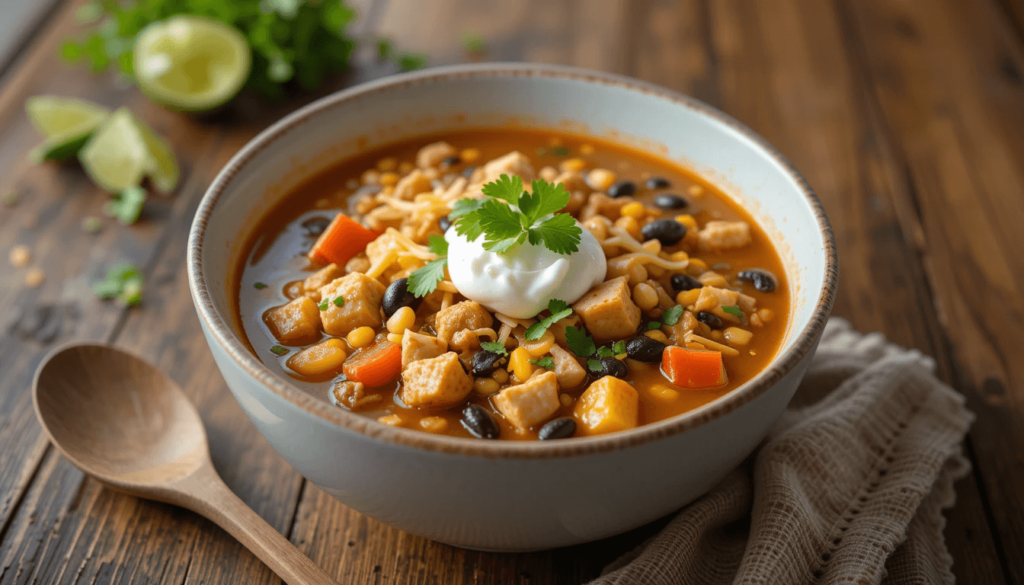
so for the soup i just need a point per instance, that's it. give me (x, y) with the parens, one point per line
(512, 284)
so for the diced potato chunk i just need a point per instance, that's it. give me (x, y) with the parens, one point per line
(417, 346)
(724, 235)
(436, 382)
(568, 371)
(295, 322)
(361, 308)
(432, 154)
(467, 315)
(607, 406)
(311, 286)
(608, 310)
(513, 163)
(530, 403)
(325, 357)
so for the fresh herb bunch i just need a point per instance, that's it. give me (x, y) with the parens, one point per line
(291, 40)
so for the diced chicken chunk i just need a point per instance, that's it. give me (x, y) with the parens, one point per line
(467, 315)
(431, 155)
(379, 248)
(294, 322)
(412, 185)
(529, 403)
(568, 371)
(417, 346)
(608, 310)
(724, 235)
(607, 406)
(361, 307)
(513, 163)
(601, 204)
(311, 286)
(436, 382)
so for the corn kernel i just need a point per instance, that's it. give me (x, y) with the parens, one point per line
(766, 315)
(540, 346)
(469, 155)
(637, 274)
(572, 165)
(485, 386)
(631, 225)
(586, 149)
(389, 179)
(395, 338)
(695, 190)
(597, 228)
(600, 179)
(755, 320)
(661, 393)
(688, 221)
(679, 256)
(565, 399)
(713, 279)
(658, 335)
(387, 164)
(326, 356)
(402, 319)
(688, 297)
(645, 296)
(434, 424)
(360, 337)
(652, 246)
(370, 177)
(500, 376)
(697, 267)
(635, 210)
(549, 174)
(392, 420)
(735, 336)
(519, 364)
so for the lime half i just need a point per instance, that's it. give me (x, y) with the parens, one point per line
(66, 123)
(191, 63)
(116, 157)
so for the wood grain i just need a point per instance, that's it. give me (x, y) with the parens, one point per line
(905, 117)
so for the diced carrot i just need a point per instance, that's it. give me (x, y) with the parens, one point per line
(693, 368)
(343, 239)
(375, 365)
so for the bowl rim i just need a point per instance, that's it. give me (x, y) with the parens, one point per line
(229, 341)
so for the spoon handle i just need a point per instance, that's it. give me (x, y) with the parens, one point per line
(210, 497)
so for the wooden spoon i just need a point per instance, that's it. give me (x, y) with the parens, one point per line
(126, 423)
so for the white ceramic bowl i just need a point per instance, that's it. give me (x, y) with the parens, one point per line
(502, 495)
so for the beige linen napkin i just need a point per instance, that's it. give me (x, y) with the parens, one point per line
(849, 490)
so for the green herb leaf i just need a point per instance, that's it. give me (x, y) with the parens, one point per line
(544, 362)
(464, 206)
(323, 305)
(122, 282)
(339, 302)
(494, 347)
(384, 48)
(604, 351)
(474, 44)
(277, 349)
(259, 286)
(546, 198)
(127, 206)
(619, 347)
(653, 325)
(559, 310)
(560, 151)
(671, 315)
(506, 188)
(594, 365)
(411, 61)
(579, 342)
(437, 245)
(424, 280)
(560, 234)
(736, 312)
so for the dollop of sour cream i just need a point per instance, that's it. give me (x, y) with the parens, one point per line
(521, 282)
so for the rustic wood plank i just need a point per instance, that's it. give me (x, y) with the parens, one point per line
(949, 82)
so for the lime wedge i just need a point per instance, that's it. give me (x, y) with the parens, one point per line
(67, 123)
(162, 167)
(191, 63)
(116, 157)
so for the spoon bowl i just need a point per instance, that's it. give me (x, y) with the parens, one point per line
(126, 423)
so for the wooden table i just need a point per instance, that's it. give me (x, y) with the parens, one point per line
(907, 117)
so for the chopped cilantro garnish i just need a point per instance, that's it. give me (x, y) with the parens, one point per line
(411, 61)
(384, 47)
(605, 352)
(545, 362)
(259, 286)
(122, 282)
(464, 206)
(506, 226)
(619, 347)
(494, 347)
(423, 281)
(594, 365)
(437, 245)
(277, 349)
(559, 310)
(127, 206)
(579, 342)
(736, 312)
(671, 316)
(339, 302)
(323, 305)
(560, 151)
(653, 325)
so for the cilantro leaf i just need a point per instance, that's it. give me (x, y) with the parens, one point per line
(323, 305)
(579, 342)
(544, 362)
(671, 315)
(594, 365)
(546, 198)
(339, 302)
(506, 188)
(278, 350)
(127, 206)
(502, 245)
(411, 61)
(494, 347)
(736, 312)
(122, 282)
(605, 352)
(560, 234)
(653, 325)
(464, 206)
(424, 280)
(437, 245)
(259, 286)
(559, 310)
(619, 347)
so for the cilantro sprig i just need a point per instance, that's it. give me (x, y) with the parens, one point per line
(424, 280)
(737, 312)
(559, 310)
(511, 216)
(546, 362)
(494, 347)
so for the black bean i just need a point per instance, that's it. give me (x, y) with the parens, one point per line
(710, 319)
(397, 296)
(670, 201)
(560, 428)
(645, 349)
(657, 183)
(315, 226)
(611, 367)
(762, 280)
(468, 171)
(444, 223)
(622, 189)
(666, 231)
(450, 161)
(485, 362)
(681, 282)
(479, 422)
